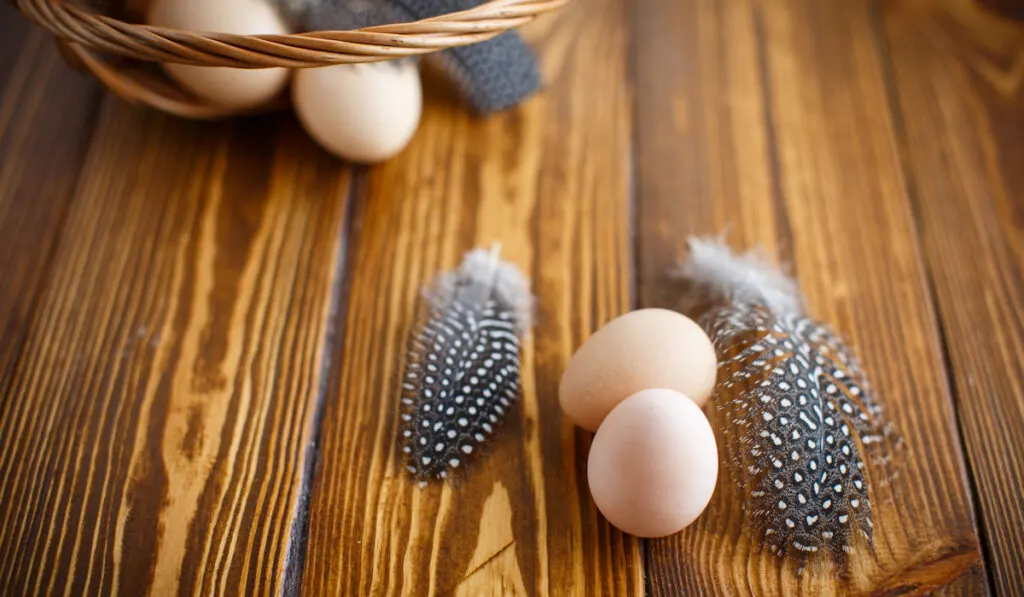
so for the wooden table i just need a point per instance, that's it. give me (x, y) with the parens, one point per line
(202, 323)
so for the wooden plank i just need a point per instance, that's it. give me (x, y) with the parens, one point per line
(550, 182)
(156, 430)
(45, 122)
(958, 81)
(14, 31)
(771, 119)
(1013, 9)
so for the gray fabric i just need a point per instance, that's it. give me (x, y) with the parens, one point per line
(496, 74)
(320, 15)
(493, 75)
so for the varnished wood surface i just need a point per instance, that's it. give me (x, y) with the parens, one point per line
(550, 182)
(203, 323)
(958, 82)
(45, 116)
(791, 143)
(157, 422)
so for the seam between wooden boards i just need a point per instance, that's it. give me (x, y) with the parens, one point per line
(709, 145)
(784, 232)
(283, 368)
(884, 54)
(635, 215)
(334, 332)
(467, 182)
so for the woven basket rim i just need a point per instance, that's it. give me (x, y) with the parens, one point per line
(87, 39)
(97, 32)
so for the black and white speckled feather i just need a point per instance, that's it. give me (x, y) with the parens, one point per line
(462, 370)
(802, 426)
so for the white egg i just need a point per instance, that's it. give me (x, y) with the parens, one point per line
(360, 112)
(653, 464)
(232, 87)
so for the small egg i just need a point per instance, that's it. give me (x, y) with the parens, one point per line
(649, 348)
(653, 464)
(232, 87)
(360, 112)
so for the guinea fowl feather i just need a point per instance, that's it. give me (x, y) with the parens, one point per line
(802, 425)
(462, 369)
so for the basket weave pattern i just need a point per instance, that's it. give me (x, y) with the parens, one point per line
(83, 33)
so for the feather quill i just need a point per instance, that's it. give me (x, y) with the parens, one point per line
(462, 368)
(801, 421)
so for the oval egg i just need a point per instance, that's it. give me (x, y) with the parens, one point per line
(653, 464)
(360, 112)
(232, 87)
(649, 348)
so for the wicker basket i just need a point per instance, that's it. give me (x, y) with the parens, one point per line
(112, 49)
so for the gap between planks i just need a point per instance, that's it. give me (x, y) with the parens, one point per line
(298, 542)
(899, 125)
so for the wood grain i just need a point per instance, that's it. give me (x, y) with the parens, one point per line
(550, 182)
(771, 120)
(156, 427)
(45, 122)
(195, 339)
(958, 80)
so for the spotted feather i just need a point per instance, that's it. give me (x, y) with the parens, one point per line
(801, 423)
(462, 368)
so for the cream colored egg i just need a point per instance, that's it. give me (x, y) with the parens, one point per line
(232, 87)
(653, 464)
(649, 348)
(360, 112)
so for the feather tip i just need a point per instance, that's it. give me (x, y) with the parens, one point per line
(720, 274)
(462, 368)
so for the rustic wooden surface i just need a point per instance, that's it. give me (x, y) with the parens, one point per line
(158, 416)
(787, 138)
(551, 183)
(958, 74)
(44, 126)
(203, 323)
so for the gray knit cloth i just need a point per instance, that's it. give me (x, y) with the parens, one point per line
(492, 75)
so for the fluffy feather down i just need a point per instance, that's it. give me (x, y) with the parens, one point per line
(462, 369)
(481, 269)
(723, 276)
(803, 430)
